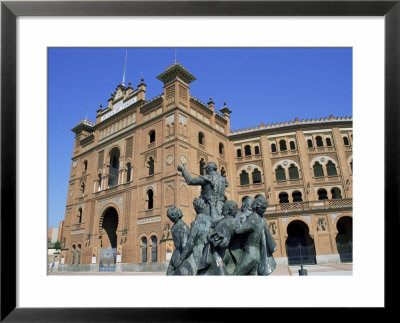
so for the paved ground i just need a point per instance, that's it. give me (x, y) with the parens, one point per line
(312, 270)
(316, 270)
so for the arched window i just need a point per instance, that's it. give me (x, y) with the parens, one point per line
(150, 165)
(114, 167)
(256, 176)
(280, 173)
(346, 141)
(244, 178)
(223, 172)
(144, 249)
(322, 194)
(247, 150)
(243, 198)
(73, 254)
(202, 167)
(318, 140)
(85, 164)
(282, 145)
(239, 153)
(154, 249)
(128, 172)
(152, 136)
(309, 143)
(328, 142)
(273, 148)
(293, 172)
(80, 215)
(331, 169)
(283, 198)
(201, 138)
(99, 182)
(150, 201)
(336, 194)
(83, 188)
(351, 165)
(318, 171)
(221, 148)
(292, 145)
(257, 150)
(79, 254)
(297, 197)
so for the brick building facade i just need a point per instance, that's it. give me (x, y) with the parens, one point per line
(124, 177)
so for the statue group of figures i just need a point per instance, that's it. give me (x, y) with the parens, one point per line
(221, 240)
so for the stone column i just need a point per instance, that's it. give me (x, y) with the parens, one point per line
(344, 167)
(268, 171)
(306, 169)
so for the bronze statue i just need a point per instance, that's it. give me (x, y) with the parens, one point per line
(179, 232)
(198, 235)
(257, 246)
(212, 188)
(222, 240)
(217, 259)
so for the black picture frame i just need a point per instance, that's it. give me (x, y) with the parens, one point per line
(10, 10)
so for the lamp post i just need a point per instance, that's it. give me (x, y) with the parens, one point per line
(302, 271)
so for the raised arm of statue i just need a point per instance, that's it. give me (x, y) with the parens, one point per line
(189, 180)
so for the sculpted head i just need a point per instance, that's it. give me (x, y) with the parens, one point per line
(199, 205)
(246, 204)
(211, 167)
(230, 208)
(174, 213)
(260, 205)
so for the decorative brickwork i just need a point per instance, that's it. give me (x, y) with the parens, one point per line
(129, 147)
(100, 160)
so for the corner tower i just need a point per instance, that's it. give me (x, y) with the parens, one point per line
(176, 81)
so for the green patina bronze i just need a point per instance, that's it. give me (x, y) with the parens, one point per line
(221, 240)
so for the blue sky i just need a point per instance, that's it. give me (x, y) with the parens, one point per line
(266, 85)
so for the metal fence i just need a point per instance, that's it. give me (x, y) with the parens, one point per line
(345, 251)
(301, 254)
(107, 259)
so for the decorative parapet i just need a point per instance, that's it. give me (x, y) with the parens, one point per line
(84, 124)
(291, 123)
(148, 105)
(200, 102)
(310, 206)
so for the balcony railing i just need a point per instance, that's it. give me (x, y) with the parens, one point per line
(326, 179)
(289, 182)
(310, 205)
(285, 153)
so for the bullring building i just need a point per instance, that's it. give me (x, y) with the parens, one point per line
(124, 178)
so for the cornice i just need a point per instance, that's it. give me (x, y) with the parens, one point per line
(290, 126)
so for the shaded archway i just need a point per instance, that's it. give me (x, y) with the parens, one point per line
(300, 248)
(108, 243)
(109, 227)
(344, 238)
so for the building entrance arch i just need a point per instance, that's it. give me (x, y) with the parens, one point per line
(108, 242)
(300, 248)
(344, 239)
